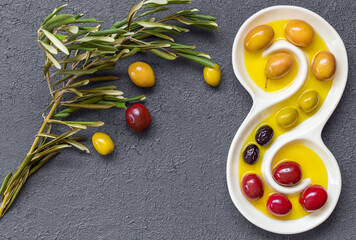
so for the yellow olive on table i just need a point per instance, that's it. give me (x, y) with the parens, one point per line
(287, 117)
(324, 65)
(142, 74)
(259, 38)
(278, 65)
(299, 33)
(103, 143)
(212, 76)
(309, 101)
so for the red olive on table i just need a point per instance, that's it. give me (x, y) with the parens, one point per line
(138, 117)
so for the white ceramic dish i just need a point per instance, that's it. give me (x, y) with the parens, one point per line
(307, 133)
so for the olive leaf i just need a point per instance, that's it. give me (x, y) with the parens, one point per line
(56, 41)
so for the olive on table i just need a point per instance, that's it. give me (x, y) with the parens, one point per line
(251, 154)
(313, 197)
(252, 186)
(287, 117)
(309, 101)
(287, 173)
(279, 205)
(278, 65)
(138, 117)
(259, 38)
(212, 76)
(141, 74)
(102, 143)
(299, 33)
(324, 66)
(264, 135)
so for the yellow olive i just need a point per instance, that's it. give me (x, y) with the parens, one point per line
(299, 33)
(278, 65)
(103, 143)
(309, 101)
(287, 117)
(142, 74)
(259, 38)
(324, 65)
(212, 76)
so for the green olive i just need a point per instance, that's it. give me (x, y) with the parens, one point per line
(278, 65)
(259, 38)
(324, 65)
(299, 33)
(287, 117)
(309, 101)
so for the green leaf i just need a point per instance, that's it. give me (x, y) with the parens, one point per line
(80, 47)
(191, 52)
(60, 37)
(87, 123)
(88, 20)
(4, 183)
(107, 32)
(71, 29)
(88, 106)
(49, 48)
(101, 46)
(201, 16)
(132, 13)
(153, 25)
(53, 60)
(158, 2)
(160, 35)
(132, 52)
(90, 29)
(77, 145)
(197, 59)
(95, 38)
(57, 18)
(76, 72)
(119, 23)
(56, 41)
(116, 104)
(163, 54)
(55, 11)
(76, 84)
(61, 23)
(106, 92)
(75, 126)
(74, 59)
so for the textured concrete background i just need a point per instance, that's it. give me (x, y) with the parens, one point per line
(169, 182)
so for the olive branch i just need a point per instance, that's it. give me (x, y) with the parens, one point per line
(76, 51)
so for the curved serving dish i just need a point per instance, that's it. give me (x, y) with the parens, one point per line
(307, 133)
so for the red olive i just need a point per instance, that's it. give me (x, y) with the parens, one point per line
(252, 186)
(313, 197)
(279, 205)
(138, 117)
(287, 173)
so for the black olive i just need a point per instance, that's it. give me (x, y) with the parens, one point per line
(251, 154)
(264, 135)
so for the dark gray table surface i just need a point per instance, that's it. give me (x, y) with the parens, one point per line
(169, 182)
